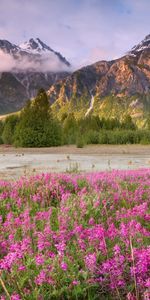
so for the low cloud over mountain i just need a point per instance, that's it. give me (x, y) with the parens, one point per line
(33, 55)
(24, 69)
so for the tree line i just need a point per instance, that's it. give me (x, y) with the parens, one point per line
(37, 127)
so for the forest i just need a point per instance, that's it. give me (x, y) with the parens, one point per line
(36, 126)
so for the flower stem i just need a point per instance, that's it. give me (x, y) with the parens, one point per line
(4, 287)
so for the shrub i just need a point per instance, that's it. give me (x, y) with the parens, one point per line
(92, 137)
(80, 142)
(103, 137)
(1, 131)
(9, 129)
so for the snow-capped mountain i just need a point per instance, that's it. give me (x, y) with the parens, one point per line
(26, 68)
(112, 88)
(34, 50)
(36, 46)
(8, 47)
(143, 45)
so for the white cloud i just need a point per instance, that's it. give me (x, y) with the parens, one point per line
(77, 27)
(7, 63)
(47, 63)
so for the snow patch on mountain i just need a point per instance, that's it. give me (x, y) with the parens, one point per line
(143, 45)
(35, 46)
(33, 55)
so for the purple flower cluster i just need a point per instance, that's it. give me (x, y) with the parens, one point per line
(76, 236)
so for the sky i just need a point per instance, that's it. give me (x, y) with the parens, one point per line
(84, 31)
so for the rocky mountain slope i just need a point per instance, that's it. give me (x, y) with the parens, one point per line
(119, 87)
(26, 68)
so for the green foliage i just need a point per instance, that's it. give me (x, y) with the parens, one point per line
(93, 130)
(144, 137)
(70, 129)
(148, 122)
(64, 116)
(90, 123)
(1, 131)
(37, 127)
(117, 137)
(92, 137)
(120, 137)
(128, 123)
(110, 124)
(53, 133)
(103, 137)
(1, 127)
(9, 129)
(80, 142)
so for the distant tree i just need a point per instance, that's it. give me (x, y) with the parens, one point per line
(89, 123)
(70, 123)
(128, 123)
(10, 124)
(70, 129)
(1, 127)
(37, 128)
(110, 124)
(148, 122)
(1, 131)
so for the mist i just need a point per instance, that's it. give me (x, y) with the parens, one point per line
(35, 63)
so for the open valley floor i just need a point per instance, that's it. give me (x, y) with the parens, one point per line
(16, 162)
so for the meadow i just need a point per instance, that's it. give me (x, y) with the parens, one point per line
(76, 236)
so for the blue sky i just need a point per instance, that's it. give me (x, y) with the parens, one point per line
(84, 31)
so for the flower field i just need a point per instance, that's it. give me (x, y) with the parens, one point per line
(69, 236)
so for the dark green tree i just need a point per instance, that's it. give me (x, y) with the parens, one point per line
(70, 129)
(1, 131)
(37, 128)
(9, 129)
(148, 122)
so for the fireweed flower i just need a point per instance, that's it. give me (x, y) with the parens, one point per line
(64, 266)
(90, 261)
(21, 268)
(41, 278)
(60, 248)
(116, 249)
(15, 297)
(75, 282)
(39, 260)
(131, 296)
(99, 224)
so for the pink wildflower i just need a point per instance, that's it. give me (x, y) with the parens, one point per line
(90, 261)
(64, 266)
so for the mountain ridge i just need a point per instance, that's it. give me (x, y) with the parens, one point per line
(107, 88)
(28, 69)
(121, 83)
(32, 47)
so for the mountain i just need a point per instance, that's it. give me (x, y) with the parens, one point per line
(25, 68)
(39, 48)
(34, 48)
(143, 45)
(108, 88)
